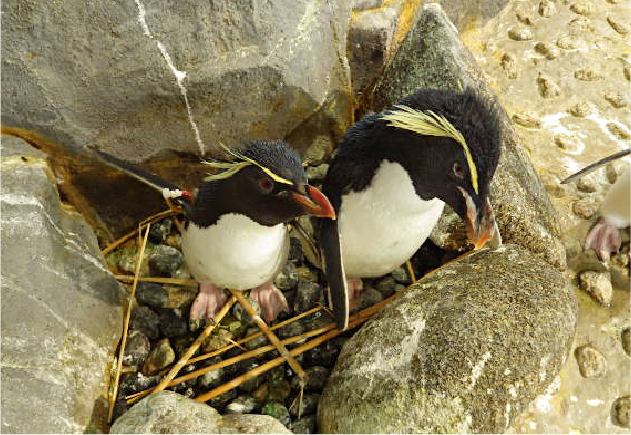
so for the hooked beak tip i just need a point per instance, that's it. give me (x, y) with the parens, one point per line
(480, 227)
(315, 203)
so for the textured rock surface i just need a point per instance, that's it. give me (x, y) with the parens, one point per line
(60, 307)
(432, 56)
(168, 412)
(465, 350)
(119, 75)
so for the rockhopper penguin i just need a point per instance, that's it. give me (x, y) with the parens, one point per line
(390, 178)
(615, 210)
(235, 234)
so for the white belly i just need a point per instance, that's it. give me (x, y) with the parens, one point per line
(615, 207)
(382, 227)
(236, 252)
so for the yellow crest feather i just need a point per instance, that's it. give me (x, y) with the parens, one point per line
(428, 123)
(232, 168)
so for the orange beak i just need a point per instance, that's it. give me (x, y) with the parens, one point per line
(315, 202)
(480, 227)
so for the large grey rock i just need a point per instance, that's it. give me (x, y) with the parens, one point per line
(61, 316)
(104, 73)
(169, 412)
(377, 26)
(432, 56)
(464, 350)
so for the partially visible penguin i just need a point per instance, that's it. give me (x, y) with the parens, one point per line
(615, 210)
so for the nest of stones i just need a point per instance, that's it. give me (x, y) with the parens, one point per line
(229, 363)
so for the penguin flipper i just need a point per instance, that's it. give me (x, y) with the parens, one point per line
(134, 171)
(332, 261)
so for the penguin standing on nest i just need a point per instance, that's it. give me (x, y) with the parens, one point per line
(390, 178)
(235, 234)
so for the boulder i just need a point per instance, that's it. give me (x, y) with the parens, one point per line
(432, 56)
(169, 412)
(464, 350)
(135, 78)
(61, 311)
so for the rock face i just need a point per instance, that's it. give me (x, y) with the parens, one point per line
(432, 56)
(61, 317)
(464, 350)
(169, 412)
(138, 77)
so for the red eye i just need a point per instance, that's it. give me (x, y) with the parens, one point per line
(458, 170)
(266, 185)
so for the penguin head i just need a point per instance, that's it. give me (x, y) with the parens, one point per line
(265, 182)
(456, 137)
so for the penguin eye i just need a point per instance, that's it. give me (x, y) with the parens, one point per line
(458, 170)
(266, 185)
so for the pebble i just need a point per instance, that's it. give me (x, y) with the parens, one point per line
(616, 99)
(385, 286)
(587, 74)
(152, 294)
(523, 17)
(613, 171)
(292, 329)
(567, 143)
(160, 357)
(323, 355)
(305, 425)
(308, 295)
(278, 390)
(598, 286)
(527, 119)
(171, 324)
(625, 339)
(553, 186)
(164, 260)
(520, 34)
(618, 25)
(181, 344)
(239, 313)
(580, 25)
(220, 402)
(317, 173)
(160, 231)
(370, 297)
(620, 411)
(278, 411)
(132, 383)
(591, 362)
(400, 275)
(213, 378)
(585, 208)
(309, 404)
(221, 337)
(255, 342)
(136, 349)
(547, 87)
(547, 49)
(287, 279)
(509, 63)
(626, 70)
(251, 384)
(146, 320)
(587, 184)
(582, 8)
(315, 378)
(243, 405)
(580, 110)
(547, 8)
(618, 131)
(569, 42)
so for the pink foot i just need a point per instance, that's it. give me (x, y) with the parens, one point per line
(270, 299)
(604, 238)
(355, 287)
(209, 301)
